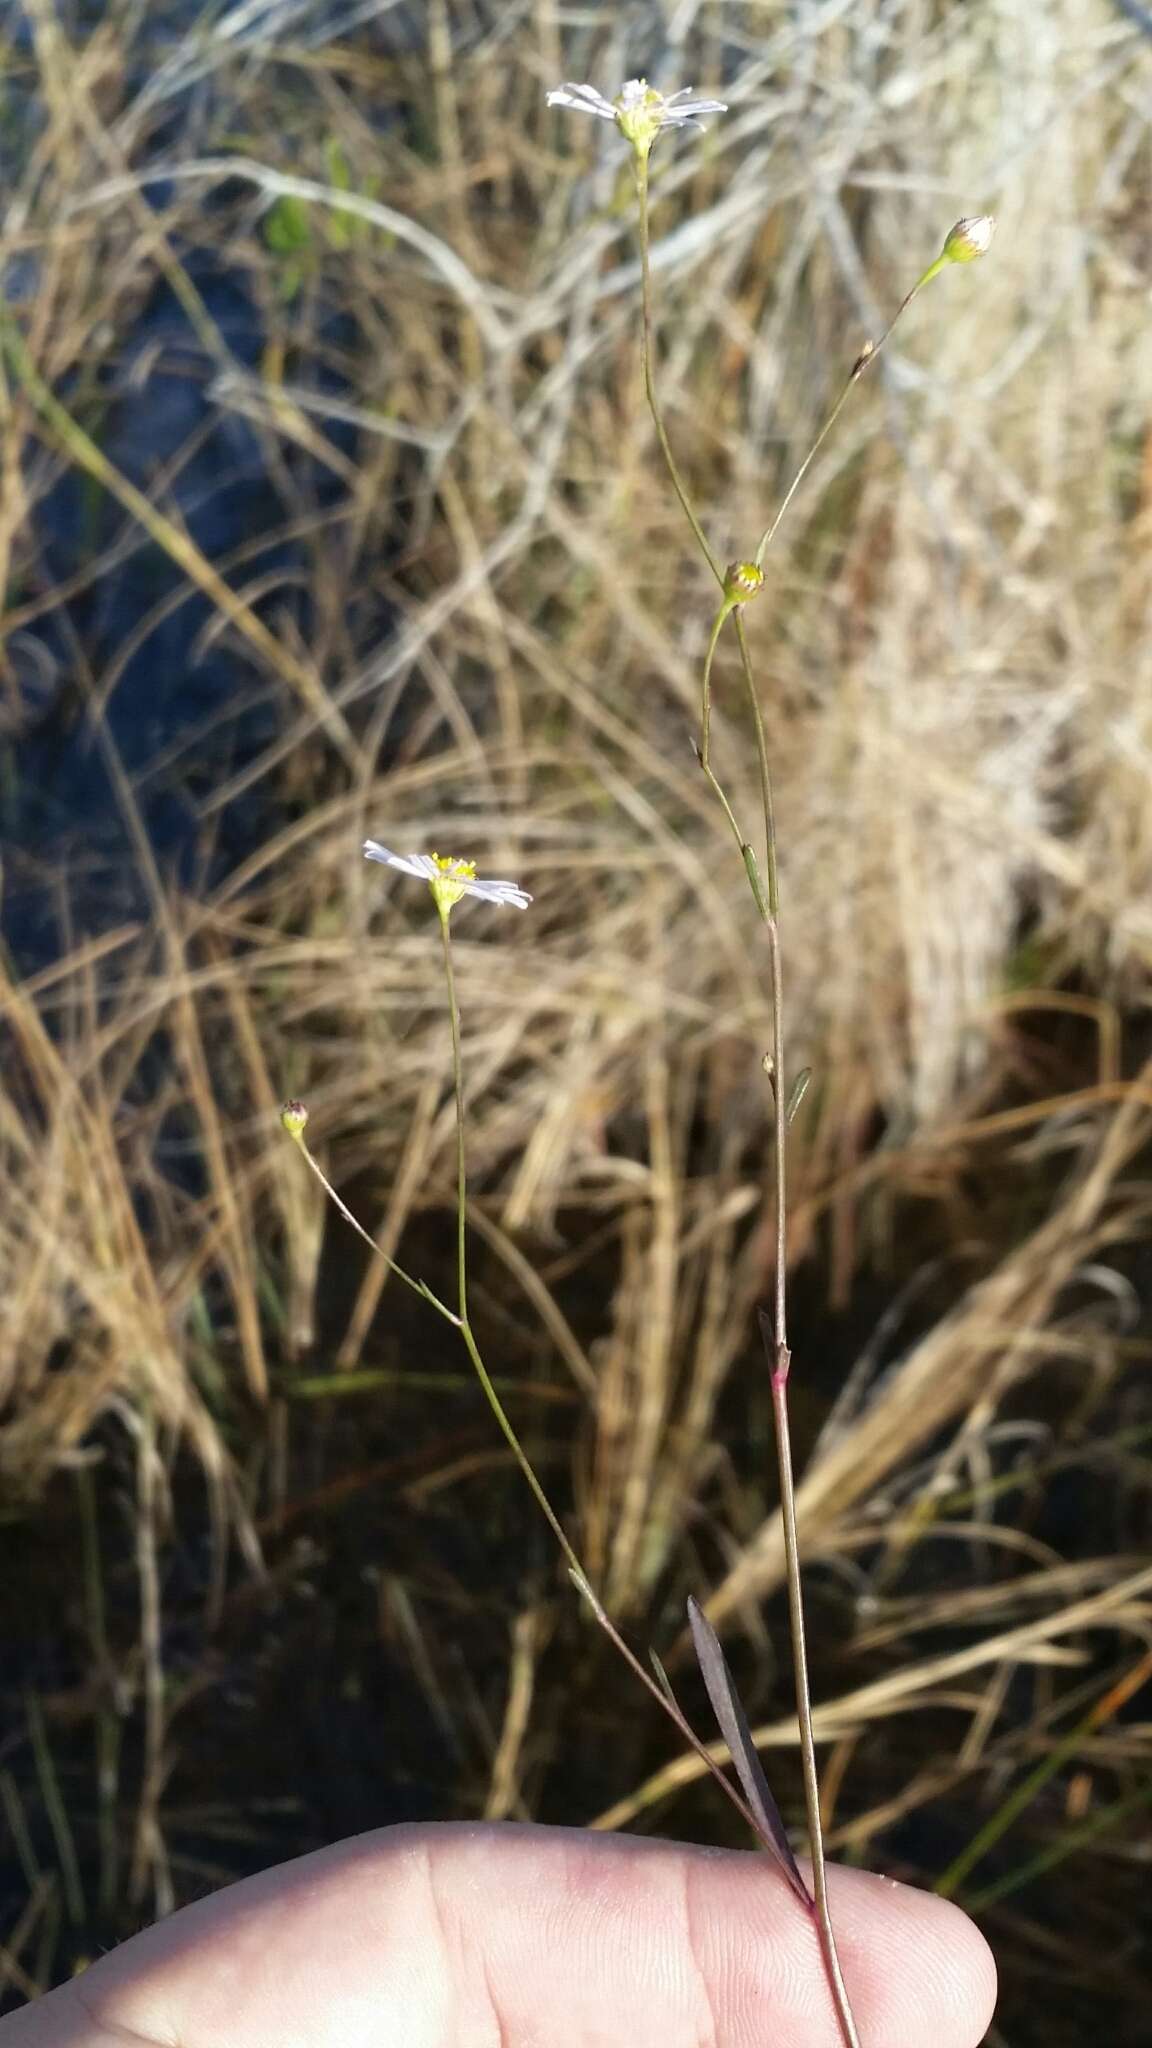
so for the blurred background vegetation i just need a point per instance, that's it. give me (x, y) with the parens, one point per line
(328, 506)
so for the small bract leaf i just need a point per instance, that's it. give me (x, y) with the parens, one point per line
(662, 1678)
(734, 1728)
(797, 1093)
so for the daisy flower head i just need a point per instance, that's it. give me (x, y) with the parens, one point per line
(639, 111)
(448, 879)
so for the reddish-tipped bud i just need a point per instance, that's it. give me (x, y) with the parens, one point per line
(293, 1118)
(742, 581)
(970, 238)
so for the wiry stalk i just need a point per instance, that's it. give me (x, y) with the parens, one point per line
(640, 162)
(768, 905)
(579, 1575)
(866, 357)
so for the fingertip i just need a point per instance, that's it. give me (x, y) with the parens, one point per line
(915, 1963)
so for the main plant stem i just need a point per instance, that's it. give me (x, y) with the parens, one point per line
(768, 905)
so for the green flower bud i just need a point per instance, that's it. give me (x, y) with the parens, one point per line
(742, 582)
(293, 1118)
(970, 238)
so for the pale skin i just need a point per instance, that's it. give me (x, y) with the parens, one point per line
(525, 1937)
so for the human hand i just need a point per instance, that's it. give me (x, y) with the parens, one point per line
(460, 1936)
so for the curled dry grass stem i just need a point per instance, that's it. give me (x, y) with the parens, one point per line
(175, 542)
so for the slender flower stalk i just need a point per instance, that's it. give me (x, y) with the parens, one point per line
(640, 169)
(642, 114)
(444, 909)
(738, 586)
(576, 1569)
(294, 1120)
(448, 881)
(970, 238)
(967, 240)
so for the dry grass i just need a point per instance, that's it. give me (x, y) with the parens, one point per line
(487, 639)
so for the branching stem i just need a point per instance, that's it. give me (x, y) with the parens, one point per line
(663, 1698)
(768, 906)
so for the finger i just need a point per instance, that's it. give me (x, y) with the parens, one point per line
(446, 1937)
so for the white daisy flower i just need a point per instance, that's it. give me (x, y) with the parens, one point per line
(583, 99)
(448, 879)
(639, 111)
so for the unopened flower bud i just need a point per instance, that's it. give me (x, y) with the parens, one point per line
(293, 1118)
(742, 581)
(970, 238)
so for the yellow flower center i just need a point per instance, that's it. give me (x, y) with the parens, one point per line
(455, 870)
(450, 881)
(639, 116)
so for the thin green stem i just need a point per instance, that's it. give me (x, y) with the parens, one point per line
(571, 1558)
(662, 1694)
(766, 796)
(704, 745)
(640, 164)
(780, 1164)
(647, 350)
(704, 756)
(769, 910)
(461, 1160)
(832, 1968)
(781, 1362)
(706, 693)
(419, 1287)
(864, 361)
(482, 1374)
(769, 534)
(768, 907)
